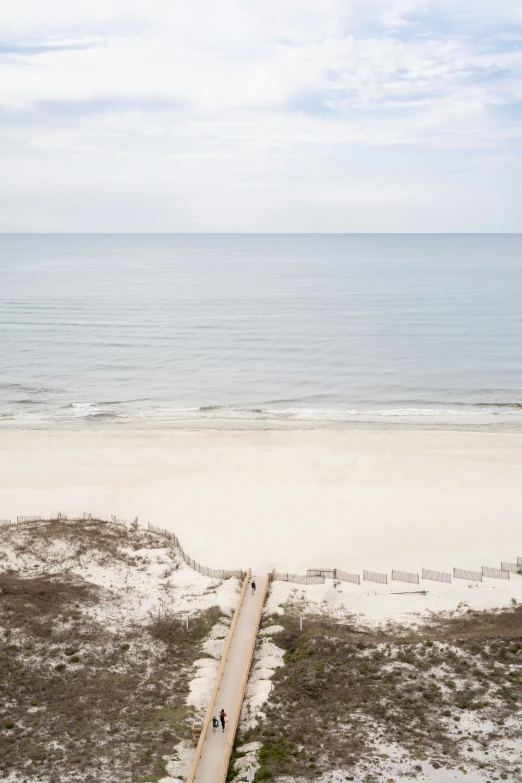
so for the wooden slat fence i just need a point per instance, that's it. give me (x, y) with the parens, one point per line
(344, 576)
(83, 516)
(374, 576)
(313, 575)
(405, 576)
(470, 576)
(299, 579)
(436, 576)
(335, 573)
(117, 521)
(214, 573)
(328, 573)
(494, 573)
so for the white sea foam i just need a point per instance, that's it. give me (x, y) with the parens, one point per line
(91, 412)
(324, 414)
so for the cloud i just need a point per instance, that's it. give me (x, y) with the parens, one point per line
(311, 102)
(60, 110)
(31, 49)
(277, 92)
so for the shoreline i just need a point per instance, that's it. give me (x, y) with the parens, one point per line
(487, 423)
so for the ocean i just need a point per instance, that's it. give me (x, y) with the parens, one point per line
(416, 330)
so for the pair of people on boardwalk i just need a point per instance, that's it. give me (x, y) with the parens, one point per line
(223, 718)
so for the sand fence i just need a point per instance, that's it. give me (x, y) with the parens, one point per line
(315, 576)
(469, 576)
(436, 576)
(298, 579)
(375, 576)
(405, 576)
(112, 519)
(495, 573)
(215, 573)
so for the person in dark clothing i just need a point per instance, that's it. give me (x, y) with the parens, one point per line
(253, 586)
(223, 718)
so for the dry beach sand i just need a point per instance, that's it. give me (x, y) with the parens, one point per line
(291, 499)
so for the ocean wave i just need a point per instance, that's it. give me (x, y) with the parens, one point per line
(443, 404)
(126, 411)
(105, 415)
(361, 405)
(515, 405)
(26, 402)
(301, 400)
(87, 410)
(22, 388)
(86, 405)
(300, 413)
(317, 414)
(214, 408)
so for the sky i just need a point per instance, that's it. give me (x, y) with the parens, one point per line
(260, 116)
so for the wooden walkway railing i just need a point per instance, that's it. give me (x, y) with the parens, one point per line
(244, 678)
(212, 755)
(212, 702)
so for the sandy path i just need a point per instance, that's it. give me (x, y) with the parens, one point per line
(215, 743)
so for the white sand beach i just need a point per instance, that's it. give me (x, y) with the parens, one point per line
(294, 499)
(350, 499)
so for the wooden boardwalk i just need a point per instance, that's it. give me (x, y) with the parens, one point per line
(212, 755)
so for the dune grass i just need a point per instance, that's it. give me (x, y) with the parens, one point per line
(80, 699)
(341, 694)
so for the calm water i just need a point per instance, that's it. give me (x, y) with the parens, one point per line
(298, 327)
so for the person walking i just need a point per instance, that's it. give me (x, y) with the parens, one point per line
(253, 586)
(215, 724)
(223, 718)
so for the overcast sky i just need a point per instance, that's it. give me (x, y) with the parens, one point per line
(273, 115)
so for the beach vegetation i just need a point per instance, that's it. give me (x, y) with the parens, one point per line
(90, 698)
(433, 691)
